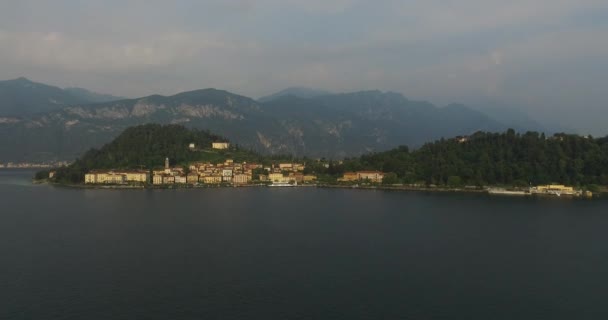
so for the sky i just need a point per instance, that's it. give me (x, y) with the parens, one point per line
(547, 58)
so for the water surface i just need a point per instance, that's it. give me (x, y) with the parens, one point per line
(296, 253)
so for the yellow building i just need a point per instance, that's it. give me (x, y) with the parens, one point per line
(349, 176)
(136, 176)
(168, 179)
(216, 179)
(192, 178)
(373, 176)
(555, 188)
(277, 177)
(220, 145)
(157, 179)
(241, 178)
(90, 178)
(181, 179)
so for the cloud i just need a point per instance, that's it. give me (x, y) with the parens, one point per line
(442, 50)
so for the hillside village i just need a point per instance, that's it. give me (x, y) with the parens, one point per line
(228, 172)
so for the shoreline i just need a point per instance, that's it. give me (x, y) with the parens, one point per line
(323, 186)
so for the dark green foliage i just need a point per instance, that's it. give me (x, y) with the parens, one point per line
(497, 159)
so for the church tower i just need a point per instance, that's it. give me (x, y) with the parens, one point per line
(166, 163)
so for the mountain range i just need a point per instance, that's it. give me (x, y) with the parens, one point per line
(55, 124)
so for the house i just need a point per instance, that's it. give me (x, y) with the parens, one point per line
(373, 176)
(181, 179)
(89, 178)
(277, 177)
(215, 179)
(157, 179)
(220, 145)
(192, 178)
(241, 179)
(141, 176)
(349, 176)
(168, 179)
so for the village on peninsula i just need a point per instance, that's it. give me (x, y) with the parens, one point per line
(279, 174)
(229, 172)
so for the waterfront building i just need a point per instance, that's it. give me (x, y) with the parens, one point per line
(373, 176)
(192, 178)
(157, 179)
(241, 179)
(276, 177)
(349, 176)
(168, 179)
(141, 176)
(115, 177)
(90, 178)
(214, 179)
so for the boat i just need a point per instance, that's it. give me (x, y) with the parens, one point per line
(282, 184)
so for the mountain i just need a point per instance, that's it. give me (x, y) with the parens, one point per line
(91, 96)
(300, 92)
(23, 97)
(334, 126)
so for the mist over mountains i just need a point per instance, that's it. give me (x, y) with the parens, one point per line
(40, 122)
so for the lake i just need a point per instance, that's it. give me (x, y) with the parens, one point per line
(297, 253)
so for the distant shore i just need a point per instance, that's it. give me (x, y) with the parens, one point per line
(323, 186)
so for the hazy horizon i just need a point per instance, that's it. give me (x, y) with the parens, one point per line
(545, 58)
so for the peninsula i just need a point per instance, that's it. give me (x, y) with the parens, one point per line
(506, 163)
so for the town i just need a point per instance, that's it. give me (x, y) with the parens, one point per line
(229, 172)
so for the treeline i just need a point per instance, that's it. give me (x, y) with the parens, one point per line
(492, 159)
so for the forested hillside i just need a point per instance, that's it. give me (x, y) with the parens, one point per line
(494, 159)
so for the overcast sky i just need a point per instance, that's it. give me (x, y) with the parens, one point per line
(548, 57)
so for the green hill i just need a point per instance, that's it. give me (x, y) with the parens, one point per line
(147, 146)
(496, 159)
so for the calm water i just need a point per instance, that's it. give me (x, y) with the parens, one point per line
(297, 254)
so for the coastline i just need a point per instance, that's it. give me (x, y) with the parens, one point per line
(323, 186)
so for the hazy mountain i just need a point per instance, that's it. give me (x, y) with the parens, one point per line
(300, 92)
(334, 125)
(23, 97)
(519, 119)
(91, 96)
